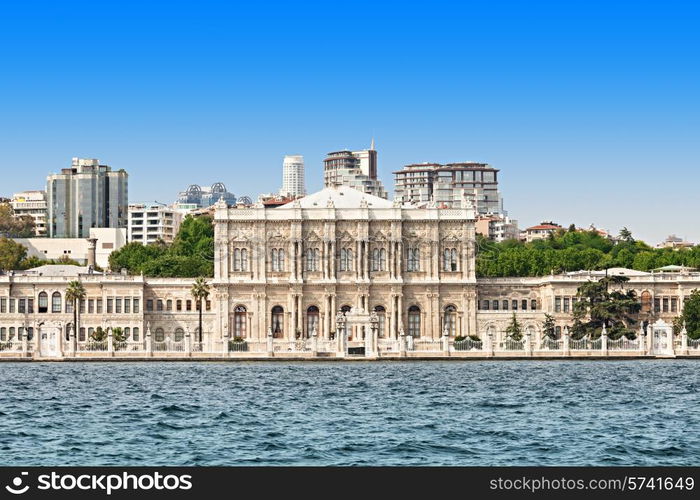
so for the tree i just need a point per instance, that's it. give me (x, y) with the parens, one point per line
(75, 293)
(514, 330)
(691, 315)
(99, 334)
(597, 306)
(14, 226)
(548, 327)
(118, 334)
(626, 235)
(11, 254)
(200, 292)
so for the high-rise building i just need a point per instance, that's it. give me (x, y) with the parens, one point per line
(202, 197)
(293, 176)
(33, 204)
(356, 169)
(86, 195)
(149, 223)
(446, 185)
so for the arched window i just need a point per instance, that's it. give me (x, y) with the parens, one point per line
(414, 321)
(646, 301)
(505, 305)
(277, 322)
(56, 302)
(179, 334)
(43, 302)
(239, 321)
(533, 304)
(451, 320)
(160, 335)
(495, 305)
(381, 316)
(135, 335)
(178, 305)
(312, 259)
(127, 332)
(312, 315)
(168, 305)
(345, 309)
(449, 259)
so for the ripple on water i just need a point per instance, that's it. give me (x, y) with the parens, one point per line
(418, 413)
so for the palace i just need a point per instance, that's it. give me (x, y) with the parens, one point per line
(333, 272)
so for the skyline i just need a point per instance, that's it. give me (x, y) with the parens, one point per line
(563, 99)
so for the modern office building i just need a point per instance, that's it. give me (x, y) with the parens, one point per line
(446, 185)
(293, 176)
(33, 204)
(196, 196)
(150, 223)
(355, 169)
(86, 195)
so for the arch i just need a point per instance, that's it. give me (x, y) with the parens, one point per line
(414, 321)
(277, 322)
(179, 334)
(450, 320)
(160, 335)
(240, 321)
(56, 302)
(312, 320)
(43, 302)
(381, 316)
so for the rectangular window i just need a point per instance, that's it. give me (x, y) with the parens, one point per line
(505, 305)
(99, 306)
(178, 305)
(557, 304)
(127, 305)
(188, 305)
(486, 305)
(3, 305)
(136, 306)
(674, 305)
(91, 306)
(56, 303)
(30, 306)
(657, 305)
(495, 305)
(514, 303)
(159, 305)
(22, 306)
(12, 305)
(149, 305)
(110, 305)
(665, 304)
(118, 305)
(533, 305)
(566, 304)
(82, 307)
(69, 306)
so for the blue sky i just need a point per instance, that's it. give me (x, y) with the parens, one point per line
(590, 109)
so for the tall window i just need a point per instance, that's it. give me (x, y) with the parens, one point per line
(346, 259)
(378, 259)
(449, 259)
(646, 301)
(515, 304)
(414, 321)
(240, 259)
(486, 305)
(277, 259)
(56, 302)
(451, 320)
(533, 304)
(557, 304)
(413, 260)
(43, 302)
(179, 334)
(277, 322)
(312, 315)
(312, 259)
(239, 322)
(135, 335)
(381, 316)
(160, 335)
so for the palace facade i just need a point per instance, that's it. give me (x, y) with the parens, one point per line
(293, 273)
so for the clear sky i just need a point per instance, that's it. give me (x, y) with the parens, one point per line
(589, 109)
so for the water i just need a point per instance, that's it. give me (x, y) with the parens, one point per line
(342, 413)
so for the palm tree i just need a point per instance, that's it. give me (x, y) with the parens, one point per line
(75, 293)
(200, 292)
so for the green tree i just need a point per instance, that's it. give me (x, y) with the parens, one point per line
(75, 293)
(691, 315)
(514, 329)
(99, 334)
(11, 254)
(118, 334)
(548, 327)
(200, 292)
(626, 235)
(13, 226)
(601, 303)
